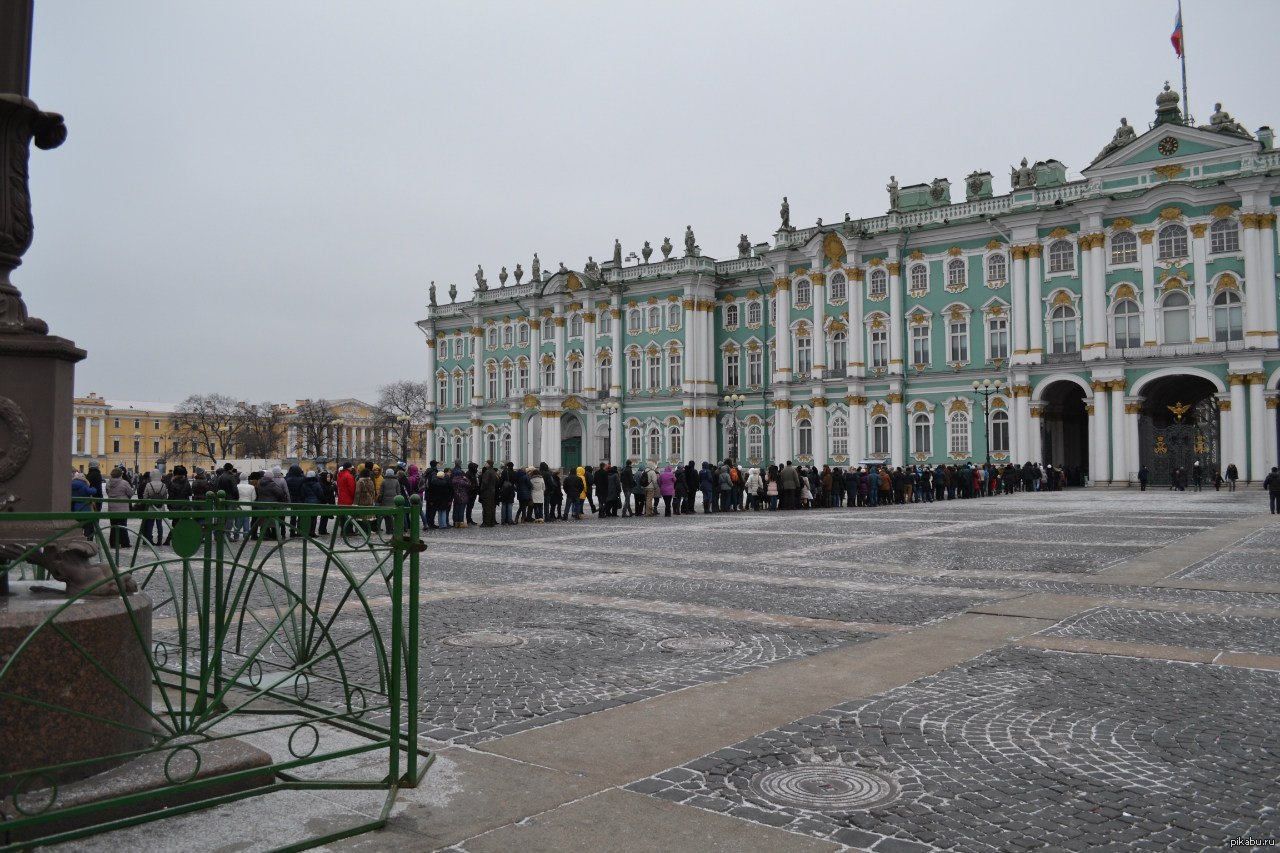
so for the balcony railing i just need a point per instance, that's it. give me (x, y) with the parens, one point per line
(1173, 350)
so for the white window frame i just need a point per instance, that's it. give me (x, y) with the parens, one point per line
(997, 262)
(919, 420)
(1224, 237)
(1234, 310)
(1124, 248)
(732, 369)
(878, 283)
(998, 336)
(1062, 256)
(838, 289)
(922, 344)
(957, 272)
(959, 434)
(839, 430)
(880, 437)
(1172, 243)
(1131, 319)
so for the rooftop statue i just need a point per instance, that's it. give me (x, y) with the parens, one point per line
(646, 251)
(453, 293)
(481, 284)
(431, 291)
(1022, 177)
(537, 268)
(591, 268)
(1222, 122)
(893, 192)
(617, 254)
(744, 247)
(1123, 136)
(690, 243)
(563, 268)
(502, 277)
(519, 273)
(785, 213)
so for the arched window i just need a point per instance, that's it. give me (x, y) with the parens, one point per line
(459, 348)
(459, 389)
(731, 373)
(1062, 327)
(753, 313)
(524, 334)
(491, 446)
(879, 283)
(839, 350)
(549, 375)
(999, 431)
(506, 446)
(673, 316)
(839, 431)
(804, 355)
(958, 433)
(442, 350)
(604, 373)
(1128, 324)
(522, 376)
(731, 316)
(508, 378)
(1124, 248)
(958, 339)
(998, 336)
(997, 267)
(655, 443)
(654, 364)
(575, 325)
(675, 368)
(633, 443)
(1176, 313)
(675, 443)
(491, 337)
(1224, 236)
(919, 277)
(1228, 322)
(839, 288)
(921, 434)
(879, 347)
(633, 321)
(880, 435)
(1172, 243)
(442, 446)
(604, 322)
(459, 453)
(804, 293)
(575, 377)
(508, 336)
(804, 432)
(755, 444)
(491, 380)
(442, 390)
(655, 317)
(1062, 256)
(956, 272)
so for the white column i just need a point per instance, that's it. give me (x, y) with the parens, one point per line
(1255, 287)
(1035, 306)
(820, 361)
(1146, 255)
(1016, 454)
(517, 439)
(551, 438)
(616, 456)
(557, 323)
(76, 420)
(1022, 422)
(291, 438)
(782, 425)
(1257, 427)
(820, 449)
(1119, 440)
(1269, 453)
(782, 333)
(535, 355)
(1092, 411)
(615, 379)
(857, 428)
(1239, 421)
(1098, 262)
(897, 355)
(856, 331)
(476, 442)
(1267, 256)
(1088, 334)
(1101, 436)
(1018, 303)
(1226, 426)
(1200, 293)
(1131, 409)
(897, 429)
(102, 436)
(430, 332)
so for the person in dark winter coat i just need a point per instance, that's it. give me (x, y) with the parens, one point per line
(312, 494)
(489, 495)
(599, 487)
(441, 493)
(473, 491)
(627, 480)
(613, 491)
(690, 486)
(707, 485)
(573, 487)
(461, 496)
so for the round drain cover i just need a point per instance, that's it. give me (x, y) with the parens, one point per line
(696, 644)
(483, 640)
(824, 787)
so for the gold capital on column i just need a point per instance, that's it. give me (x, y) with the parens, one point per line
(1146, 236)
(1133, 408)
(1224, 405)
(1033, 251)
(1198, 229)
(1019, 253)
(894, 267)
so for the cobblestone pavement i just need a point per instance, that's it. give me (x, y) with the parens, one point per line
(1171, 628)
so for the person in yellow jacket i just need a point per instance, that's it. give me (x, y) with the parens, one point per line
(377, 478)
(582, 475)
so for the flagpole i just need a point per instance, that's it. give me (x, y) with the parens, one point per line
(1182, 55)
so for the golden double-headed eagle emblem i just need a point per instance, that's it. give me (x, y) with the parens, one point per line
(1179, 409)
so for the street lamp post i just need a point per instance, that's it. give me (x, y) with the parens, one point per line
(734, 402)
(403, 421)
(609, 407)
(335, 442)
(986, 389)
(137, 446)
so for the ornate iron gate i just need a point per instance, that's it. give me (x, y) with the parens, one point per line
(1180, 438)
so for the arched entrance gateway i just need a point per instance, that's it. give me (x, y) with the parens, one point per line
(570, 441)
(1178, 426)
(1064, 429)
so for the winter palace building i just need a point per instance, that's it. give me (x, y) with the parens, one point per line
(1125, 319)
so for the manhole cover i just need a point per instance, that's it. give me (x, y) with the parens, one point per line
(483, 640)
(696, 644)
(824, 787)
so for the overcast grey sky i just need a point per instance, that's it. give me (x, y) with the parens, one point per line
(255, 195)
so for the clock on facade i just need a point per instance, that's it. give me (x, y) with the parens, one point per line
(1168, 146)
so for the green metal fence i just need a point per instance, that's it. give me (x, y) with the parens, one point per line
(306, 645)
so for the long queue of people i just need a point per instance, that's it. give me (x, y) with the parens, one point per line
(508, 494)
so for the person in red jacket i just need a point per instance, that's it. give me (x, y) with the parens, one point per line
(346, 486)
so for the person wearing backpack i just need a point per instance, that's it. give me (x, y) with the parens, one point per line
(152, 490)
(507, 494)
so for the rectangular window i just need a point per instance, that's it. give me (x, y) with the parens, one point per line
(998, 338)
(137, 424)
(575, 377)
(755, 443)
(675, 370)
(755, 368)
(506, 381)
(117, 423)
(604, 375)
(839, 437)
(633, 444)
(920, 344)
(879, 348)
(959, 340)
(959, 429)
(655, 371)
(804, 356)
(605, 323)
(922, 435)
(115, 443)
(1000, 433)
(731, 377)
(155, 425)
(633, 374)
(492, 382)
(155, 447)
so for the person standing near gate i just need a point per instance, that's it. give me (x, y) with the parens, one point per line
(1197, 475)
(1144, 477)
(1232, 476)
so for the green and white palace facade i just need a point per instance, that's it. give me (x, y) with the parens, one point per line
(1128, 318)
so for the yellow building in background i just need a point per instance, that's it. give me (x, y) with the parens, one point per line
(129, 433)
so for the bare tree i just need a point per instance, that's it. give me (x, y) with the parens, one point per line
(400, 405)
(207, 423)
(262, 427)
(312, 419)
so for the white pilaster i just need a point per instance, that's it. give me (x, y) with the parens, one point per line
(897, 353)
(1018, 303)
(856, 333)
(1035, 306)
(1257, 427)
(102, 436)
(820, 360)
(1101, 436)
(1269, 452)
(551, 439)
(1119, 440)
(1131, 431)
(535, 355)
(430, 331)
(1200, 299)
(782, 427)
(1022, 424)
(820, 444)
(782, 333)
(1146, 255)
(517, 439)
(1239, 423)
(897, 429)
(616, 456)
(589, 372)
(1255, 287)
(1098, 263)
(857, 428)
(1267, 257)
(558, 324)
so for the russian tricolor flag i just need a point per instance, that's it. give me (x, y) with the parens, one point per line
(1176, 38)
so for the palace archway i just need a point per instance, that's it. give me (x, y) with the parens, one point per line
(1178, 426)
(1064, 429)
(570, 441)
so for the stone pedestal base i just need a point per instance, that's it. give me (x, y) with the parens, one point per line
(81, 713)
